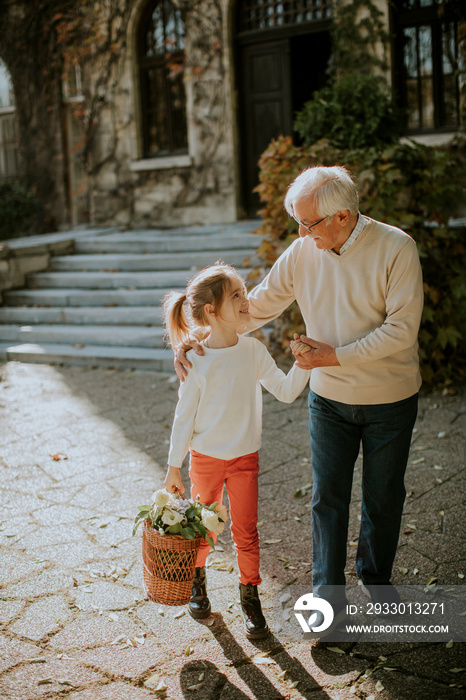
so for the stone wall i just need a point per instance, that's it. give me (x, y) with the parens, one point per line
(199, 187)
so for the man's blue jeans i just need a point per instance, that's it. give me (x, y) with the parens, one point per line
(337, 431)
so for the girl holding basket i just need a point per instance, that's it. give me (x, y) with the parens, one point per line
(219, 419)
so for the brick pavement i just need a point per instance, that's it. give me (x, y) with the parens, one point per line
(82, 447)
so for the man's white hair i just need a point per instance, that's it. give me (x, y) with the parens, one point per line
(331, 188)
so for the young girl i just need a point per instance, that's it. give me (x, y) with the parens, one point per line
(219, 419)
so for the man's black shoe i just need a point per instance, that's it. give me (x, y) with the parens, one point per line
(199, 604)
(254, 621)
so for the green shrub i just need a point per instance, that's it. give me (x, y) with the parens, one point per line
(21, 212)
(417, 188)
(354, 112)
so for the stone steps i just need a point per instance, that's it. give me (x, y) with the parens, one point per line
(140, 244)
(101, 305)
(85, 297)
(121, 262)
(111, 280)
(84, 315)
(137, 336)
(91, 355)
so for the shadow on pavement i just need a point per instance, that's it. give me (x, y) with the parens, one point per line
(215, 685)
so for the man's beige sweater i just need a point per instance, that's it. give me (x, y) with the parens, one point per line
(367, 303)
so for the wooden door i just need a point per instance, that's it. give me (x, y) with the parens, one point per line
(266, 106)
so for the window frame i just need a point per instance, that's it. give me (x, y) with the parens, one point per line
(414, 18)
(146, 64)
(9, 141)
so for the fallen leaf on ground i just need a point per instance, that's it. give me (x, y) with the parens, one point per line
(302, 491)
(152, 680)
(336, 650)
(431, 579)
(262, 658)
(449, 644)
(379, 687)
(197, 686)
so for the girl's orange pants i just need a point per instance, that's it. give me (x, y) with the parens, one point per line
(240, 475)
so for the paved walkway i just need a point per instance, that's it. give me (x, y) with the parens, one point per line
(82, 447)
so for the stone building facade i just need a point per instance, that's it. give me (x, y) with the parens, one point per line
(201, 86)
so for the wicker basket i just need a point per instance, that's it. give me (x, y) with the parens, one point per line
(168, 566)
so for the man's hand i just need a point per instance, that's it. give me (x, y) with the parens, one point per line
(181, 362)
(317, 355)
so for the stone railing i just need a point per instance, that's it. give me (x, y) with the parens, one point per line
(24, 255)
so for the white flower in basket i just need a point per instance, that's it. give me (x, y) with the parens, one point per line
(172, 514)
(169, 517)
(211, 521)
(161, 497)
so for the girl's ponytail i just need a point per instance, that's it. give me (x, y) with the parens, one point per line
(175, 319)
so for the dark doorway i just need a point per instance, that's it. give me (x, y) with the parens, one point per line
(309, 56)
(278, 70)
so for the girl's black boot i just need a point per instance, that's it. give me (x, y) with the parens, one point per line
(199, 604)
(254, 621)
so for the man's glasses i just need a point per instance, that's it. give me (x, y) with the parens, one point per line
(309, 228)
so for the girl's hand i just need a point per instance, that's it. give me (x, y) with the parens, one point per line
(173, 480)
(318, 355)
(298, 347)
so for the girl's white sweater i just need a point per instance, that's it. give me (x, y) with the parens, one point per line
(367, 303)
(219, 411)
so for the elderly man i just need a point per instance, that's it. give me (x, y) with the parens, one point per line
(358, 284)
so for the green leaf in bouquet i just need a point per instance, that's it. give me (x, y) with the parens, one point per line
(209, 540)
(192, 511)
(175, 529)
(200, 528)
(144, 509)
(188, 533)
(138, 520)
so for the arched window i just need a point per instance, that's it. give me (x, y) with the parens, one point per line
(161, 59)
(8, 130)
